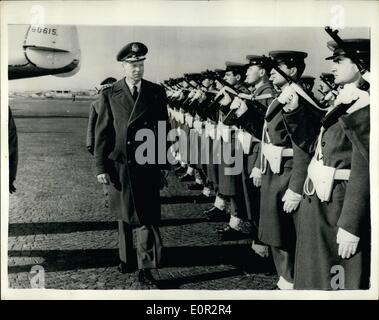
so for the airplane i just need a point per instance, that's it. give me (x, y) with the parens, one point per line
(46, 50)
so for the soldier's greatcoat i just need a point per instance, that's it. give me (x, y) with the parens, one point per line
(252, 193)
(276, 227)
(345, 145)
(134, 189)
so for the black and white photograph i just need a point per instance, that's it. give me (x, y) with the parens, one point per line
(188, 156)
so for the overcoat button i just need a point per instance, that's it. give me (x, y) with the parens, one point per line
(128, 142)
(145, 123)
(323, 144)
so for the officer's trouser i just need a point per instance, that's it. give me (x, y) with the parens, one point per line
(148, 245)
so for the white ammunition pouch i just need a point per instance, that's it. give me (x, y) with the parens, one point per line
(210, 130)
(219, 130)
(274, 155)
(181, 117)
(246, 140)
(189, 120)
(198, 125)
(226, 132)
(322, 176)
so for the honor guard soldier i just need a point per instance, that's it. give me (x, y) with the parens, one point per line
(212, 116)
(251, 111)
(333, 247)
(230, 184)
(283, 173)
(190, 148)
(132, 104)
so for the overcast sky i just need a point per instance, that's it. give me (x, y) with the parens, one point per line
(176, 50)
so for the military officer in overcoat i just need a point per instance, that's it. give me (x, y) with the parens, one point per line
(131, 105)
(257, 76)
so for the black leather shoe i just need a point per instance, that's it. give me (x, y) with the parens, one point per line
(195, 186)
(229, 234)
(145, 277)
(187, 178)
(215, 214)
(123, 268)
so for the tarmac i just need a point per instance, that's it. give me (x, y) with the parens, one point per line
(58, 222)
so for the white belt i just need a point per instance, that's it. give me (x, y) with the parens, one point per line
(342, 174)
(287, 153)
(246, 140)
(274, 154)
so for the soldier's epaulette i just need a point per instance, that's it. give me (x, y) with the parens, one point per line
(106, 87)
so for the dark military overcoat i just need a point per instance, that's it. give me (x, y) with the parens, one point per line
(344, 145)
(134, 188)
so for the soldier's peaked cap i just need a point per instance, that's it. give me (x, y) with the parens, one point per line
(193, 76)
(234, 66)
(256, 60)
(108, 80)
(307, 79)
(132, 52)
(288, 56)
(360, 47)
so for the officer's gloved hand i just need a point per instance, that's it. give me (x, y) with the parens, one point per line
(348, 243)
(12, 188)
(291, 201)
(289, 98)
(103, 178)
(90, 149)
(256, 174)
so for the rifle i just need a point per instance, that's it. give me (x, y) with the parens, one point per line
(331, 85)
(276, 106)
(363, 69)
(230, 114)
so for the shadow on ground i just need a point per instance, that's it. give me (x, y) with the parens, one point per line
(24, 229)
(236, 255)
